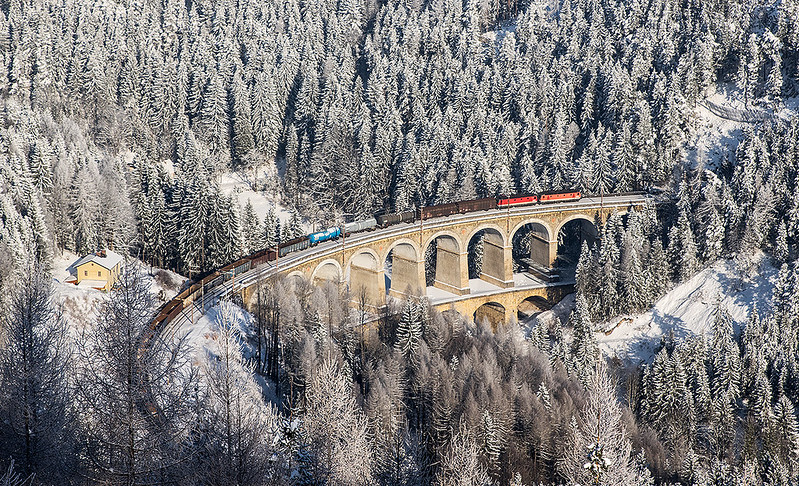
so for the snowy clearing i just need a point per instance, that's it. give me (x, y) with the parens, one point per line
(200, 334)
(81, 304)
(235, 184)
(720, 123)
(690, 307)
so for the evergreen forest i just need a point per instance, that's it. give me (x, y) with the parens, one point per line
(119, 120)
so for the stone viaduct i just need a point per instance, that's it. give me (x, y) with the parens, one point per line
(391, 261)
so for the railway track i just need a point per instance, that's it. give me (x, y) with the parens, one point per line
(169, 330)
(288, 263)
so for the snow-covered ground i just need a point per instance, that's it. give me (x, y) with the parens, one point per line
(558, 315)
(721, 119)
(236, 184)
(80, 304)
(689, 309)
(200, 334)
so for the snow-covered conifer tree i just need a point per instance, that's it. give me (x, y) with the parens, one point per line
(781, 243)
(242, 130)
(682, 248)
(213, 119)
(409, 329)
(85, 211)
(253, 233)
(271, 228)
(584, 346)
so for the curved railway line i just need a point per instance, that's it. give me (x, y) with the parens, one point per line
(176, 313)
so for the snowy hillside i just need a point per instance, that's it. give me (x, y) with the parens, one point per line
(690, 307)
(202, 334)
(80, 305)
(720, 121)
(235, 184)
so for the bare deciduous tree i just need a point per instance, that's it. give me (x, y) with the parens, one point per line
(237, 429)
(35, 429)
(335, 429)
(134, 392)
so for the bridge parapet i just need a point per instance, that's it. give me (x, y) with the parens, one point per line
(391, 260)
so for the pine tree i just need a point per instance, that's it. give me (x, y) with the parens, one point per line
(632, 279)
(194, 228)
(492, 441)
(213, 118)
(266, 117)
(539, 337)
(784, 435)
(658, 271)
(252, 231)
(232, 236)
(409, 330)
(40, 167)
(584, 346)
(603, 171)
(624, 160)
(159, 229)
(773, 49)
(682, 248)
(242, 130)
(781, 243)
(84, 212)
(726, 363)
(585, 282)
(609, 256)
(271, 234)
(293, 228)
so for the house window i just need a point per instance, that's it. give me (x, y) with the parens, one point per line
(85, 273)
(99, 273)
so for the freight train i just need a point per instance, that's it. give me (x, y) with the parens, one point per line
(171, 309)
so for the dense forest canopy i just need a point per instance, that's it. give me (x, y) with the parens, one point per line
(395, 104)
(117, 121)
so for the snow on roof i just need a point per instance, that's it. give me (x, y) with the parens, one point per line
(94, 284)
(105, 258)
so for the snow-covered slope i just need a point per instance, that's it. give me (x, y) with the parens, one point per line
(200, 334)
(721, 119)
(80, 305)
(689, 308)
(235, 184)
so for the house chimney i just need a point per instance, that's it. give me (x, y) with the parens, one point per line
(101, 253)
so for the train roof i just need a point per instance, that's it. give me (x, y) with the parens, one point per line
(564, 191)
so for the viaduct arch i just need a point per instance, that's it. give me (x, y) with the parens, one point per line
(390, 263)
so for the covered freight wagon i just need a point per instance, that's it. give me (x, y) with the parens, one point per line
(438, 211)
(290, 246)
(483, 204)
